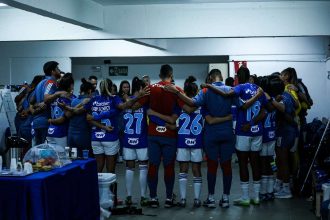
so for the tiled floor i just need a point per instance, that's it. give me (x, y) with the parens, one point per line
(292, 209)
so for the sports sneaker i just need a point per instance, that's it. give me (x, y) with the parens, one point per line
(277, 187)
(255, 201)
(224, 203)
(128, 201)
(169, 203)
(197, 203)
(210, 203)
(153, 203)
(263, 197)
(270, 196)
(242, 202)
(182, 203)
(144, 202)
(283, 194)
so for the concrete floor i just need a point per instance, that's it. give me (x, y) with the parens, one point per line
(288, 209)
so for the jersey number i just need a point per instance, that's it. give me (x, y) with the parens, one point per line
(195, 127)
(267, 121)
(253, 111)
(131, 117)
(57, 112)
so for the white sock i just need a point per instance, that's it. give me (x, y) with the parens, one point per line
(278, 184)
(129, 181)
(183, 184)
(270, 184)
(256, 188)
(263, 186)
(225, 197)
(197, 187)
(245, 190)
(143, 179)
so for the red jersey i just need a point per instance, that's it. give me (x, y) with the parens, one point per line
(163, 102)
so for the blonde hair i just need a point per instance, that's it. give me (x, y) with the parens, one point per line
(105, 87)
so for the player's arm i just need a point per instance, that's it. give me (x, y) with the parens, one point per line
(106, 114)
(262, 114)
(169, 119)
(217, 120)
(252, 100)
(57, 121)
(182, 96)
(133, 102)
(49, 98)
(219, 91)
(98, 124)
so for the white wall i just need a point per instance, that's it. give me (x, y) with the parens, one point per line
(181, 72)
(312, 73)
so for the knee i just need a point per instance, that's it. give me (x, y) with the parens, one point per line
(212, 166)
(226, 168)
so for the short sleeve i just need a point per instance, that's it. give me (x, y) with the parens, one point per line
(238, 89)
(117, 101)
(199, 99)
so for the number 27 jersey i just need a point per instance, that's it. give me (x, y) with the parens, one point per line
(190, 129)
(135, 133)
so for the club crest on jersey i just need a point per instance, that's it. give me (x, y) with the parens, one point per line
(271, 134)
(161, 129)
(133, 141)
(190, 141)
(255, 129)
(51, 130)
(100, 134)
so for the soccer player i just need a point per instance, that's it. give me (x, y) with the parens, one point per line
(79, 132)
(218, 137)
(58, 123)
(161, 140)
(248, 133)
(45, 93)
(135, 142)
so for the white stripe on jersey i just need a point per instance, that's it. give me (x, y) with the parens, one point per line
(49, 86)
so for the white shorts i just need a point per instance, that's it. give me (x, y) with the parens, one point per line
(140, 154)
(189, 155)
(247, 143)
(63, 141)
(108, 148)
(268, 149)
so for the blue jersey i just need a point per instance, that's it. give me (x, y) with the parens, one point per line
(245, 92)
(61, 130)
(269, 127)
(136, 128)
(25, 126)
(47, 86)
(99, 105)
(190, 129)
(78, 124)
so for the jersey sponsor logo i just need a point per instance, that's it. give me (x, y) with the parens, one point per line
(271, 134)
(251, 92)
(133, 141)
(100, 134)
(51, 130)
(255, 129)
(161, 129)
(190, 141)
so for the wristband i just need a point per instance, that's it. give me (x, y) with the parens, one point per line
(177, 92)
(270, 100)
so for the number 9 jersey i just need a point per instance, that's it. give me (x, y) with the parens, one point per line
(190, 129)
(135, 133)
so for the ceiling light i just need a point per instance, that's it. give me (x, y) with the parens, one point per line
(3, 5)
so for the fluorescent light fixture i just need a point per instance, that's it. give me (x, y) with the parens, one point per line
(3, 5)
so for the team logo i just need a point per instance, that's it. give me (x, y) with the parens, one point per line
(190, 141)
(51, 130)
(161, 129)
(271, 134)
(100, 134)
(133, 141)
(255, 129)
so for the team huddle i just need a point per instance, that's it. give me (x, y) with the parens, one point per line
(161, 122)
